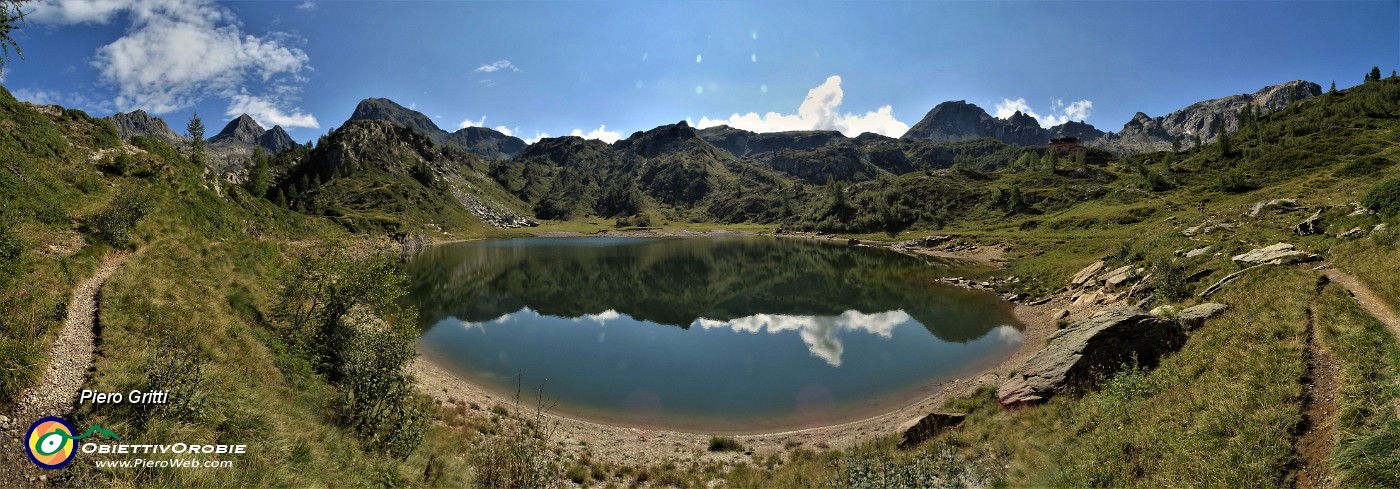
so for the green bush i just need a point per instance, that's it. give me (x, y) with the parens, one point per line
(725, 444)
(115, 222)
(343, 314)
(1363, 166)
(1384, 198)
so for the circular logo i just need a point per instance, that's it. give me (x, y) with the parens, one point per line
(49, 443)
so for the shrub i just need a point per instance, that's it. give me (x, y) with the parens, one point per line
(1384, 198)
(1234, 181)
(1363, 166)
(1171, 280)
(115, 222)
(179, 372)
(343, 314)
(725, 444)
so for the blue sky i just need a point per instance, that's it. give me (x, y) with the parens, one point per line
(607, 69)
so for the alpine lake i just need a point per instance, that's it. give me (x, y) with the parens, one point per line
(707, 334)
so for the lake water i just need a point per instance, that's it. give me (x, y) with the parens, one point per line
(738, 334)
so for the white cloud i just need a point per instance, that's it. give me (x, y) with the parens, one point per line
(175, 54)
(64, 12)
(267, 114)
(504, 130)
(308, 6)
(472, 123)
(819, 111)
(1060, 113)
(601, 133)
(499, 65)
(819, 333)
(536, 138)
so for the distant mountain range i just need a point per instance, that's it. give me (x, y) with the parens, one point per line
(962, 121)
(228, 149)
(389, 165)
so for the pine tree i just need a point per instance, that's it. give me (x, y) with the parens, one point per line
(1333, 88)
(258, 173)
(1375, 73)
(1197, 146)
(11, 18)
(1176, 144)
(281, 199)
(195, 131)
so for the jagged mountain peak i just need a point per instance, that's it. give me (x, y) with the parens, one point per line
(242, 129)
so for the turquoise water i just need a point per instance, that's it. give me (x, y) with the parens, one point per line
(706, 334)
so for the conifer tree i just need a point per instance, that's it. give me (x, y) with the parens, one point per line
(195, 131)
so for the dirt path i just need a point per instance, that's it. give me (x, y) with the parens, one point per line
(70, 359)
(1317, 433)
(1366, 297)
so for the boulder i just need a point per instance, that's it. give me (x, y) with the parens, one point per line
(1079, 354)
(1087, 273)
(1352, 232)
(1283, 205)
(928, 427)
(1198, 252)
(1193, 317)
(1279, 254)
(1379, 227)
(1310, 226)
(1117, 275)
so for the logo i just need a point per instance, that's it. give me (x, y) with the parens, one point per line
(50, 442)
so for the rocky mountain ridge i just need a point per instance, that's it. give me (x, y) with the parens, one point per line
(485, 142)
(1205, 118)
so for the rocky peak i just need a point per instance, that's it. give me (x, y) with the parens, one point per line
(139, 123)
(743, 143)
(662, 139)
(242, 130)
(383, 109)
(1072, 129)
(953, 121)
(275, 140)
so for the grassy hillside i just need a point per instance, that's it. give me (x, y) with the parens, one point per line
(196, 305)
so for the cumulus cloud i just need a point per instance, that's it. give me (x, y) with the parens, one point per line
(308, 6)
(499, 65)
(506, 130)
(601, 133)
(1060, 112)
(267, 113)
(472, 123)
(819, 333)
(819, 111)
(65, 12)
(174, 54)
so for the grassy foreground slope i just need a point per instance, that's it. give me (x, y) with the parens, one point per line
(192, 308)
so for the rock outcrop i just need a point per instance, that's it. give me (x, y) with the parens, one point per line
(927, 427)
(1277, 254)
(1079, 354)
(1193, 317)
